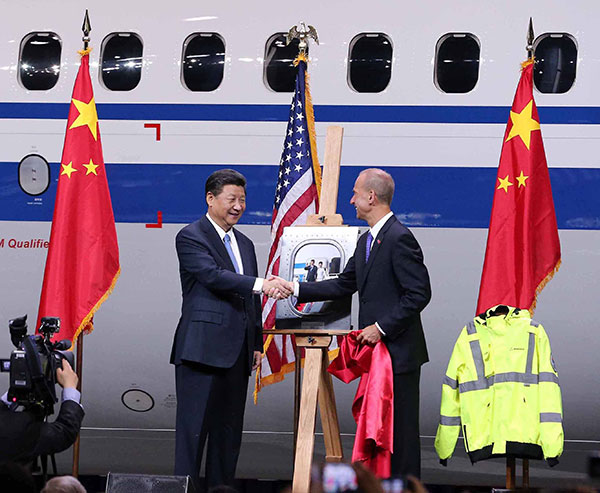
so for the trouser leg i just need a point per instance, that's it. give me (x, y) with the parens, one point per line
(193, 389)
(226, 420)
(406, 458)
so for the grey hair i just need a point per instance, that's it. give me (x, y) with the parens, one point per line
(63, 484)
(381, 183)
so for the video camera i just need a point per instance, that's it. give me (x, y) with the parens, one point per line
(33, 365)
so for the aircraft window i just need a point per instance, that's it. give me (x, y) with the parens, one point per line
(457, 62)
(121, 61)
(34, 174)
(39, 61)
(370, 62)
(203, 61)
(555, 63)
(279, 71)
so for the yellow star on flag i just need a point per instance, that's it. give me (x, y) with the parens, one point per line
(91, 168)
(523, 124)
(87, 116)
(504, 184)
(521, 179)
(67, 169)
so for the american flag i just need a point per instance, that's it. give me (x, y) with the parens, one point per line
(296, 197)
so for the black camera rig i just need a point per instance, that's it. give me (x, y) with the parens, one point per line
(33, 365)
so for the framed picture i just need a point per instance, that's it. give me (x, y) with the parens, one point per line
(315, 254)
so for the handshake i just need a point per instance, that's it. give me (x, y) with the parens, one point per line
(277, 288)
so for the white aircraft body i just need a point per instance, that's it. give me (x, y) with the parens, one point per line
(441, 147)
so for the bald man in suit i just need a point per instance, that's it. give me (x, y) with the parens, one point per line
(393, 287)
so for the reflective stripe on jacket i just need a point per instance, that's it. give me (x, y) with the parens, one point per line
(502, 389)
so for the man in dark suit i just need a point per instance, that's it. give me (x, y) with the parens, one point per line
(23, 434)
(393, 288)
(219, 336)
(311, 275)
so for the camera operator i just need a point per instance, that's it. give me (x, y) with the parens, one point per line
(24, 436)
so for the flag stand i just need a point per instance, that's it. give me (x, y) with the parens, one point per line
(86, 28)
(79, 371)
(83, 236)
(511, 472)
(511, 466)
(317, 385)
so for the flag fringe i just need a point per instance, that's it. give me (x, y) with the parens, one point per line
(542, 285)
(526, 63)
(310, 123)
(260, 382)
(87, 325)
(300, 58)
(280, 375)
(257, 382)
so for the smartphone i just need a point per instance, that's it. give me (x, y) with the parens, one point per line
(393, 485)
(338, 477)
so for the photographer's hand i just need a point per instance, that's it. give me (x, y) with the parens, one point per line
(66, 377)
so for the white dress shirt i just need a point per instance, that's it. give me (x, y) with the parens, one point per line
(236, 251)
(377, 227)
(374, 232)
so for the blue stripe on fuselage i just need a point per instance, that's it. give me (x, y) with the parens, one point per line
(446, 197)
(566, 115)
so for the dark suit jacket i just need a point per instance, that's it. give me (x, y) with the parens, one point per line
(219, 311)
(24, 437)
(393, 288)
(311, 275)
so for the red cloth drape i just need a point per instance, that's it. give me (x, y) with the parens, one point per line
(373, 406)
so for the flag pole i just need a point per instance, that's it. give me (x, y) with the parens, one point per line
(511, 466)
(530, 38)
(86, 28)
(79, 370)
(302, 34)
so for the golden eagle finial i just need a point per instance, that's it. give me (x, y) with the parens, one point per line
(301, 32)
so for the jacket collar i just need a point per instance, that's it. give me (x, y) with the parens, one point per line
(378, 226)
(506, 311)
(216, 241)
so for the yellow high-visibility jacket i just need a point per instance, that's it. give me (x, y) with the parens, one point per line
(502, 389)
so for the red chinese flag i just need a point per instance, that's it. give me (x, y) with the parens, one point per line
(523, 249)
(83, 258)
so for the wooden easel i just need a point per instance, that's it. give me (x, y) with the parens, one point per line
(317, 385)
